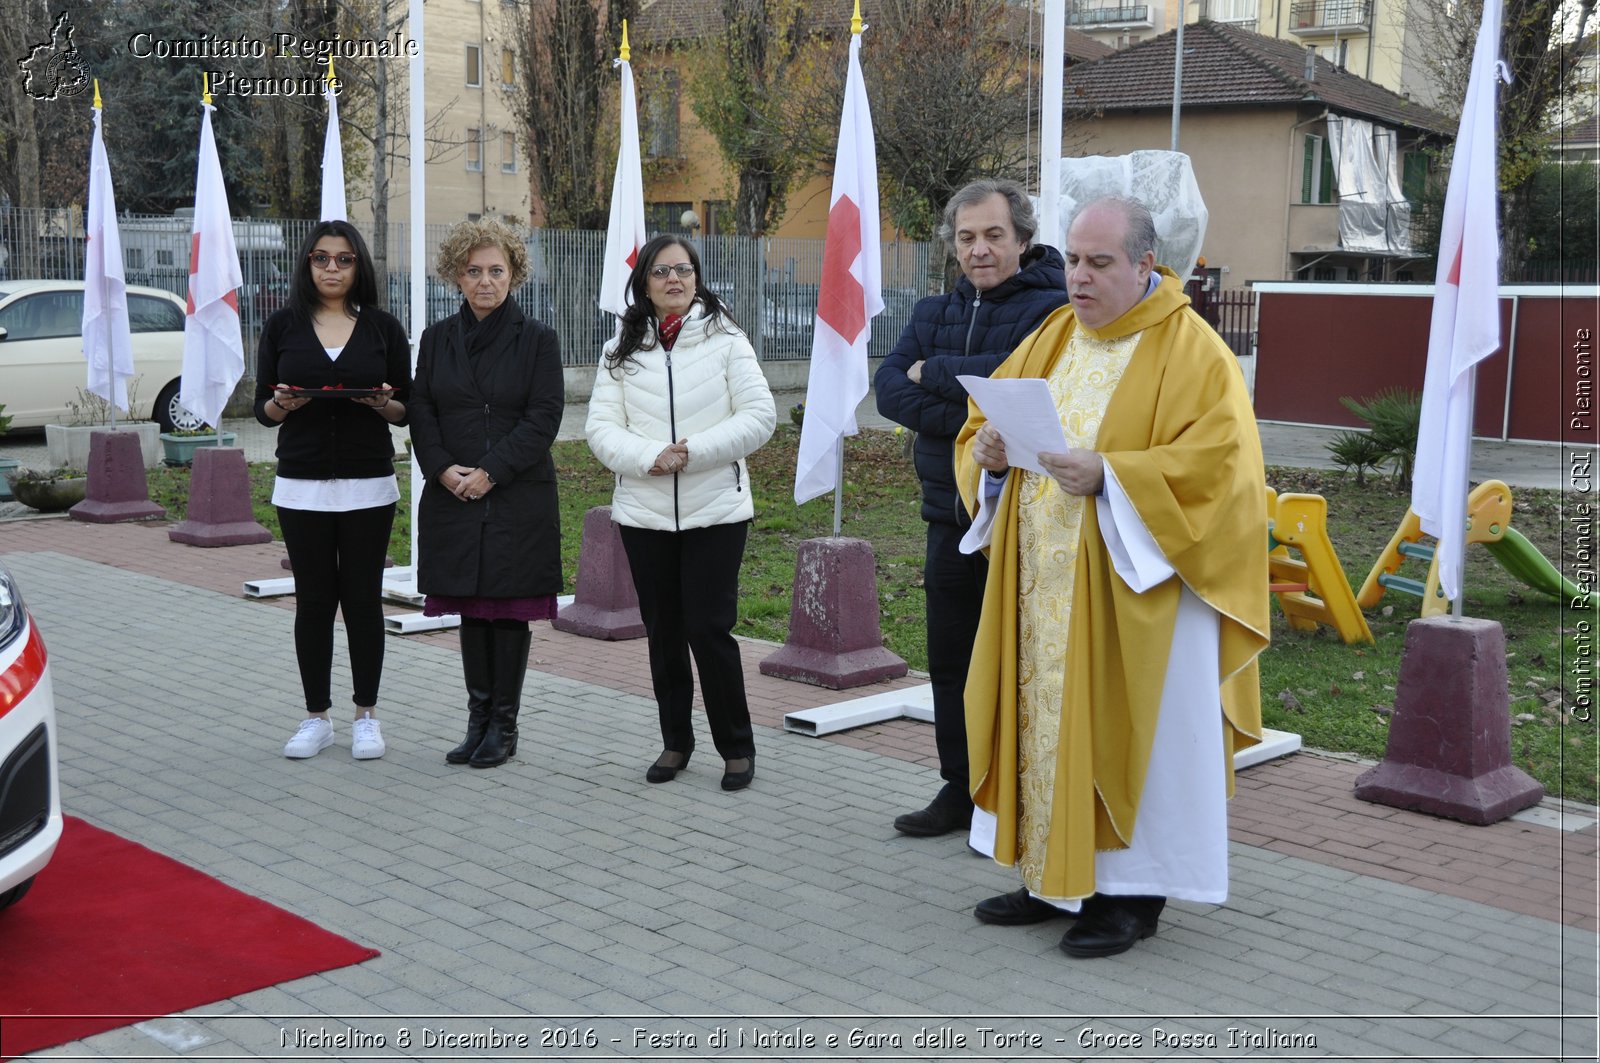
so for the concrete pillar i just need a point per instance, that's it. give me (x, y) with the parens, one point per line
(835, 640)
(117, 489)
(605, 605)
(1450, 736)
(220, 513)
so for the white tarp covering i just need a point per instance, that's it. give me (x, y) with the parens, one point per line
(1162, 180)
(1374, 216)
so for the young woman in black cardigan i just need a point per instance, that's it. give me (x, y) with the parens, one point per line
(333, 372)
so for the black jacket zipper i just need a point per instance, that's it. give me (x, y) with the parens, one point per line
(672, 421)
(977, 299)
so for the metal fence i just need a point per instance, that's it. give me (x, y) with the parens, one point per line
(1232, 312)
(770, 285)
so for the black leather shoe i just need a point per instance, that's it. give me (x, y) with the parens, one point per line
(738, 780)
(667, 766)
(1017, 909)
(1112, 925)
(941, 817)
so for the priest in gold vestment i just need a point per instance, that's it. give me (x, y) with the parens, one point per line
(1114, 672)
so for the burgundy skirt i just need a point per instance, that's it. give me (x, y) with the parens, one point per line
(543, 608)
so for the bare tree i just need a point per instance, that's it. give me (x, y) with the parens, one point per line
(1540, 43)
(758, 89)
(948, 83)
(565, 48)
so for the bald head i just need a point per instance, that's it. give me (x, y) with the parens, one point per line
(1111, 249)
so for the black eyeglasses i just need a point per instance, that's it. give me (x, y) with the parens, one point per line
(682, 269)
(323, 260)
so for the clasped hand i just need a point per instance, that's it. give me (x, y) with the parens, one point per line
(466, 483)
(1077, 472)
(671, 459)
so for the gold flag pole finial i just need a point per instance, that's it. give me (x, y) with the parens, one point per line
(97, 94)
(623, 54)
(330, 71)
(205, 88)
(855, 21)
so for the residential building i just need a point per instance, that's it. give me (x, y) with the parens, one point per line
(1256, 119)
(475, 155)
(1383, 42)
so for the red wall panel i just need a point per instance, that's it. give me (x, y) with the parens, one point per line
(1314, 347)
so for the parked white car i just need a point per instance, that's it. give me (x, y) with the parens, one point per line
(30, 791)
(42, 368)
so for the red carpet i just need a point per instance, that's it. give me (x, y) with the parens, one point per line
(113, 933)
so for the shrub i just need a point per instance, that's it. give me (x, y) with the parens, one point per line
(1358, 451)
(1395, 417)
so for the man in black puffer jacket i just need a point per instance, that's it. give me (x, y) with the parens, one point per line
(1007, 287)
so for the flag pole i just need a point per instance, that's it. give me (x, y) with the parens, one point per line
(838, 489)
(111, 369)
(1458, 603)
(1054, 58)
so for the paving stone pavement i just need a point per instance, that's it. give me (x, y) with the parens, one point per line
(562, 899)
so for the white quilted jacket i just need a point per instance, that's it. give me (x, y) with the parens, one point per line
(708, 390)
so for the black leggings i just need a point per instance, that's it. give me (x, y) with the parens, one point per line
(688, 584)
(338, 563)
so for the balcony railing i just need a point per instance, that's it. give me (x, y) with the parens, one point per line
(1310, 17)
(1111, 15)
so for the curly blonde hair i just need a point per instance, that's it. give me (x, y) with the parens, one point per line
(467, 237)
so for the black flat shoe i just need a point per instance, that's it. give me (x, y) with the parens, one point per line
(738, 780)
(1017, 909)
(667, 766)
(1109, 926)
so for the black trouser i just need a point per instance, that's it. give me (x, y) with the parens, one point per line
(953, 583)
(688, 585)
(338, 563)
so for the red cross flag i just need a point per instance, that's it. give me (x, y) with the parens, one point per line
(333, 204)
(849, 297)
(1466, 315)
(626, 233)
(107, 339)
(213, 349)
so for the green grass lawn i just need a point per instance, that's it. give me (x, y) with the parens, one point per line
(1337, 697)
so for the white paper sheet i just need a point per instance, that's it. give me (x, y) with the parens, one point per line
(1024, 414)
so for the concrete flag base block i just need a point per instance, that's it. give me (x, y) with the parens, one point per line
(835, 640)
(219, 502)
(605, 606)
(117, 490)
(1450, 736)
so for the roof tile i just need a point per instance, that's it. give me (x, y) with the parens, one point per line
(1228, 66)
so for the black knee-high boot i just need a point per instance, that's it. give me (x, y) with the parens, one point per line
(510, 666)
(477, 666)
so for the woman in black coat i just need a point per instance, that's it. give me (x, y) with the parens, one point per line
(485, 407)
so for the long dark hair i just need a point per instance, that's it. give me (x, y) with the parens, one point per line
(638, 323)
(303, 297)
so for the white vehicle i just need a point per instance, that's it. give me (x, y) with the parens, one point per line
(30, 791)
(42, 367)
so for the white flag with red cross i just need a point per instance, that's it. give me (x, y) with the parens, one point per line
(849, 297)
(107, 338)
(625, 234)
(213, 348)
(1465, 327)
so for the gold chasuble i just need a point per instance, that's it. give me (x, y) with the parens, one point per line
(1065, 685)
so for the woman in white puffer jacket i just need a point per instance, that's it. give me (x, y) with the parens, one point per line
(679, 401)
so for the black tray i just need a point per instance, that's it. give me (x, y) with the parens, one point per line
(340, 393)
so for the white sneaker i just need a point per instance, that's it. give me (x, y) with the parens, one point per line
(366, 740)
(312, 738)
